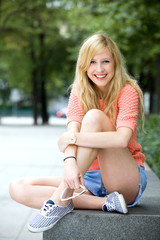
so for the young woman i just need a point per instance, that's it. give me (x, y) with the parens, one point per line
(100, 147)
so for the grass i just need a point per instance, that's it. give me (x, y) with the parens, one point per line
(150, 141)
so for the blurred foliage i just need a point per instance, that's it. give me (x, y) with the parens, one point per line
(21, 34)
(150, 142)
(39, 42)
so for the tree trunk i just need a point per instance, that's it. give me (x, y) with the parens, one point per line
(34, 87)
(158, 83)
(151, 87)
(43, 96)
(43, 103)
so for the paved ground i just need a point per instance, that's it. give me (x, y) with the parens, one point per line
(23, 121)
(25, 151)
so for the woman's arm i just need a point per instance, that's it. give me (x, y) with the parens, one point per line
(113, 139)
(72, 175)
(69, 150)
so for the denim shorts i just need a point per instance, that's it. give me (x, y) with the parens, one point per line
(93, 181)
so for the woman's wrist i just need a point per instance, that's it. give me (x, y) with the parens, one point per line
(70, 161)
(69, 157)
(72, 138)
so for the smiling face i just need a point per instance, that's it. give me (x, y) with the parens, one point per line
(101, 70)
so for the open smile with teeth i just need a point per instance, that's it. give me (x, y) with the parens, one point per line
(100, 76)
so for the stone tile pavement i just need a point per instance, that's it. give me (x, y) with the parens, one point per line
(25, 151)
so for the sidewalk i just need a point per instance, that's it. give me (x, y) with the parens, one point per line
(25, 151)
(16, 121)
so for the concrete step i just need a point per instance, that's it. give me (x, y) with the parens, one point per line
(142, 222)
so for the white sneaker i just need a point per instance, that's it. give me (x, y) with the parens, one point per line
(49, 215)
(115, 202)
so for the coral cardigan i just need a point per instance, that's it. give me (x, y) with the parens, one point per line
(127, 114)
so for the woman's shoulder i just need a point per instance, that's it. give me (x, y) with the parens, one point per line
(128, 90)
(128, 87)
(127, 95)
(74, 89)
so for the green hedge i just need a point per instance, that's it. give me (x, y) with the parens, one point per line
(150, 141)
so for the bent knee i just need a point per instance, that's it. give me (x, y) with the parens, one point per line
(17, 190)
(96, 120)
(92, 118)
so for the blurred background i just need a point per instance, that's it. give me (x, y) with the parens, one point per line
(39, 43)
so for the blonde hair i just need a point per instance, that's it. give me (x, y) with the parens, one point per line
(88, 92)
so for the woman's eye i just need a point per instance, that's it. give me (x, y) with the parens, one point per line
(105, 61)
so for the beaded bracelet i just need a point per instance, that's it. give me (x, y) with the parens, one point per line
(69, 157)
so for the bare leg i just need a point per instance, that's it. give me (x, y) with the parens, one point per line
(119, 172)
(33, 192)
(124, 178)
(85, 157)
(118, 168)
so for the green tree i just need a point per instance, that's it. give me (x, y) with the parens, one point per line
(40, 42)
(32, 37)
(134, 25)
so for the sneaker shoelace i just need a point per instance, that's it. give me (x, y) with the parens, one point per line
(46, 209)
(110, 204)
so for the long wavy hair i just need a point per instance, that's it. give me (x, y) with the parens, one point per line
(89, 93)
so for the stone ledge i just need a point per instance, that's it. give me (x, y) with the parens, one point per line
(142, 222)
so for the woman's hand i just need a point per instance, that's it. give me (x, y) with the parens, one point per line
(72, 175)
(62, 142)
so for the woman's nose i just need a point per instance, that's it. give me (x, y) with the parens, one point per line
(99, 67)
